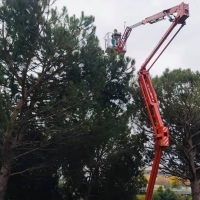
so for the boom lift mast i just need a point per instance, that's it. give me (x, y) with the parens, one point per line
(161, 132)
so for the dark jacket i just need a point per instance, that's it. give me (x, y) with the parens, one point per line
(116, 36)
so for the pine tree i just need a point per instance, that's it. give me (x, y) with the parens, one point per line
(37, 45)
(65, 103)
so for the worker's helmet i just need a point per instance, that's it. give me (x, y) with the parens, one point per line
(115, 30)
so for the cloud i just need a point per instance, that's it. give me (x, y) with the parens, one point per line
(182, 52)
(155, 2)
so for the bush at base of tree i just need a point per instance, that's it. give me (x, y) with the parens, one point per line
(167, 194)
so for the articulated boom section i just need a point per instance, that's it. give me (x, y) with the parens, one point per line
(161, 132)
(181, 11)
(177, 15)
(122, 41)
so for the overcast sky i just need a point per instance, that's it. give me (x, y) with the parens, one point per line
(110, 14)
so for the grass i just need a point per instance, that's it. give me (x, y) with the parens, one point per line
(142, 197)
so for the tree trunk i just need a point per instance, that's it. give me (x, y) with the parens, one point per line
(195, 187)
(4, 176)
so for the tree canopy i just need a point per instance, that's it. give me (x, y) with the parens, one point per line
(65, 109)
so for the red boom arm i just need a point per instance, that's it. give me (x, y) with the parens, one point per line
(182, 13)
(161, 132)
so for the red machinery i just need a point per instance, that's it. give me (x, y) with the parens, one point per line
(161, 132)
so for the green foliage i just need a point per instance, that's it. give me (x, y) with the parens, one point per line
(34, 186)
(161, 194)
(156, 196)
(180, 89)
(140, 196)
(69, 133)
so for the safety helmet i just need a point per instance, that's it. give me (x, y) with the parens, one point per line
(115, 30)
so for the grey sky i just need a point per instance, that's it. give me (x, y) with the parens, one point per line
(110, 14)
